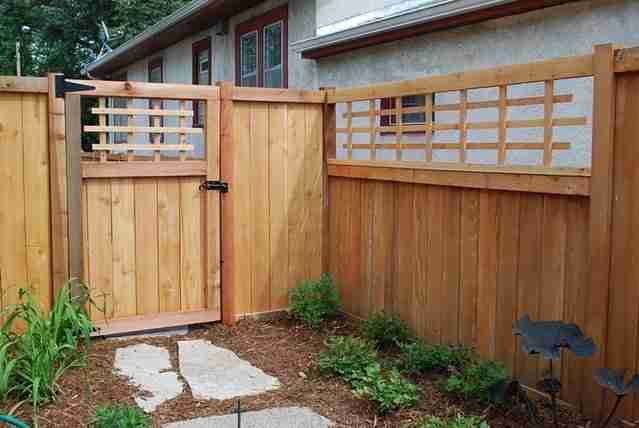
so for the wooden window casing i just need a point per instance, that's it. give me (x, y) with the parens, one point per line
(118, 120)
(199, 47)
(407, 118)
(258, 26)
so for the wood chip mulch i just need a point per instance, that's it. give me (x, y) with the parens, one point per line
(282, 348)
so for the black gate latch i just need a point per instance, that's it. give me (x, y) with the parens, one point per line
(218, 185)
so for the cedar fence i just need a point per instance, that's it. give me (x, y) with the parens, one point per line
(458, 249)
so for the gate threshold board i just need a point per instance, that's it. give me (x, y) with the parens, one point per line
(142, 323)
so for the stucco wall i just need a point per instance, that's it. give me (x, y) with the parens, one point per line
(570, 29)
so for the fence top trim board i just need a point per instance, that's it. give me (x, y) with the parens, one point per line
(278, 95)
(130, 89)
(24, 84)
(555, 69)
(450, 166)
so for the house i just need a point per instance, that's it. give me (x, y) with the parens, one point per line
(309, 44)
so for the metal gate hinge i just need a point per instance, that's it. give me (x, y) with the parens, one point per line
(218, 185)
(62, 87)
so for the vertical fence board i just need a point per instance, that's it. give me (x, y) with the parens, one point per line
(169, 237)
(469, 267)
(278, 207)
(124, 272)
(487, 286)
(146, 245)
(191, 254)
(99, 204)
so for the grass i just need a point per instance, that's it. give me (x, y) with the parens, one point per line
(120, 417)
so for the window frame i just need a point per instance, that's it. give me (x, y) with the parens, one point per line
(389, 120)
(257, 25)
(197, 48)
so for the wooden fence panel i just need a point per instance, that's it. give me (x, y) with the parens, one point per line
(277, 201)
(25, 246)
(461, 265)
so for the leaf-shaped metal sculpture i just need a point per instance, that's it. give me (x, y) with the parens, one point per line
(548, 337)
(614, 380)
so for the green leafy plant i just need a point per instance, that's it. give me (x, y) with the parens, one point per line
(389, 390)
(459, 421)
(421, 358)
(476, 381)
(347, 357)
(385, 330)
(7, 370)
(120, 417)
(312, 302)
(48, 344)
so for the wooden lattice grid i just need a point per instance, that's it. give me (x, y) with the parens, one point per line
(156, 130)
(463, 125)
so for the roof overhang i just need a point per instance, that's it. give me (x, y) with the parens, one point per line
(193, 18)
(425, 19)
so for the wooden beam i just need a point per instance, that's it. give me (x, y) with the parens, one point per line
(278, 95)
(329, 152)
(145, 90)
(142, 112)
(112, 169)
(600, 216)
(627, 60)
(142, 129)
(212, 241)
(37, 85)
(154, 322)
(227, 174)
(58, 188)
(562, 68)
(74, 183)
(510, 181)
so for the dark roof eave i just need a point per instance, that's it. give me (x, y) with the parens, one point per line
(473, 17)
(175, 29)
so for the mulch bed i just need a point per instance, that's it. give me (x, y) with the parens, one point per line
(282, 348)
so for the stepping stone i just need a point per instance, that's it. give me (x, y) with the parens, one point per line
(285, 417)
(148, 368)
(218, 374)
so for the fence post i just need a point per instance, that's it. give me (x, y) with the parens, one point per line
(227, 211)
(600, 218)
(58, 189)
(329, 152)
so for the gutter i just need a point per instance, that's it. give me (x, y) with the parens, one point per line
(184, 12)
(429, 13)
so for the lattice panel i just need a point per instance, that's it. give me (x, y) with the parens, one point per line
(155, 116)
(463, 107)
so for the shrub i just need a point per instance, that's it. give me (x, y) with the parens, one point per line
(120, 417)
(476, 381)
(420, 358)
(389, 390)
(459, 421)
(314, 301)
(347, 357)
(48, 344)
(385, 330)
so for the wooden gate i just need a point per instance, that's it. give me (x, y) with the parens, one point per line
(150, 228)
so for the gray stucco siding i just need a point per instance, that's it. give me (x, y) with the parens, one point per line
(570, 29)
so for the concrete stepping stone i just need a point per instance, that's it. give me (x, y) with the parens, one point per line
(285, 417)
(149, 369)
(215, 373)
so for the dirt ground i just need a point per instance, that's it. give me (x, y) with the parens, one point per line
(282, 348)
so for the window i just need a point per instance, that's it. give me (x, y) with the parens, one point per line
(118, 120)
(156, 75)
(412, 118)
(201, 76)
(261, 50)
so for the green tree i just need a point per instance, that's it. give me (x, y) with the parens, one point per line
(65, 34)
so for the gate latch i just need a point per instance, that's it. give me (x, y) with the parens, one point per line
(217, 185)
